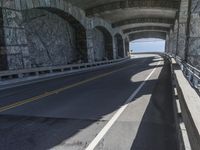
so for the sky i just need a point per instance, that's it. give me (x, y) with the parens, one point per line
(147, 45)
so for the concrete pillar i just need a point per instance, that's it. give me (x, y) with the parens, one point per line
(193, 51)
(175, 38)
(167, 44)
(14, 50)
(114, 48)
(90, 45)
(182, 29)
(126, 43)
(124, 48)
(171, 41)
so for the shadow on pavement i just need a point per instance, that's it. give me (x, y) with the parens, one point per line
(156, 132)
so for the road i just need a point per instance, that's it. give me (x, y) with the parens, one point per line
(122, 107)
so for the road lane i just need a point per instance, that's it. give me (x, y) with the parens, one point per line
(72, 118)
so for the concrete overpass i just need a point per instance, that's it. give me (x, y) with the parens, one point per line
(67, 81)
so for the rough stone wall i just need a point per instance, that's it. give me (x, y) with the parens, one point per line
(14, 51)
(3, 56)
(16, 44)
(182, 34)
(99, 45)
(51, 39)
(193, 54)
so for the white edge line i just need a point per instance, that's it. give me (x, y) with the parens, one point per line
(106, 128)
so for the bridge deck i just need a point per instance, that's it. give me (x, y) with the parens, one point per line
(69, 112)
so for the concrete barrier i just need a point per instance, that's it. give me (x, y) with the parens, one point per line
(15, 74)
(189, 108)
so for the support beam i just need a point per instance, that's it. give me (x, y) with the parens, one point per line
(146, 28)
(136, 36)
(170, 4)
(182, 29)
(143, 20)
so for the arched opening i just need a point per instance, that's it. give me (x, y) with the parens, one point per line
(147, 45)
(54, 37)
(119, 46)
(103, 44)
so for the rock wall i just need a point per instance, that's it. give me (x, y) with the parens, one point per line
(50, 38)
(182, 32)
(194, 35)
(14, 53)
(98, 44)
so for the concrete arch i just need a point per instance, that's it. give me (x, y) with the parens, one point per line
(116, 5)
(77, 41)
(146, 28)
(119, 45)
(143, 20)
(60, 5)
(145, 24)
(149, 34)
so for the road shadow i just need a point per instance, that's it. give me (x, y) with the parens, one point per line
(156, 132)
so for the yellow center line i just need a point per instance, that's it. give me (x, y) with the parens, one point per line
(47, 94)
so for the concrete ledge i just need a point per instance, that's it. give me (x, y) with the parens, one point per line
(190, 105)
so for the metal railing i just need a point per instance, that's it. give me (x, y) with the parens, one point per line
(15, 74)
(191, 73)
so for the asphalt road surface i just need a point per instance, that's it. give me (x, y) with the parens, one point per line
(122, 107)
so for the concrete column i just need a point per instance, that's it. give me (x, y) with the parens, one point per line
(193, 52)
(167, 44)
(14, 50)
(171, 41)
(124, 48)
(182, 29)
(114, 48)
(90, 45)
(175, 38)
(126, 43)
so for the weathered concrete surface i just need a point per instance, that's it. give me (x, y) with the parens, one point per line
(190, 104)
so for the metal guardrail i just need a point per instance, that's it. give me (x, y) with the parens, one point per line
(191, 73)
(7, 75)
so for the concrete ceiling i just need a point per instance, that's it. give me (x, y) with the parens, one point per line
(133, 14)
(147, 34)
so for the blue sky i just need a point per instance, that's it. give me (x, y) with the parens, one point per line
(150, 44)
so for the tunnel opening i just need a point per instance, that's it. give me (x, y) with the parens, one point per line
(54, 37)
(103, 44)
(119, 45)
(147, 45)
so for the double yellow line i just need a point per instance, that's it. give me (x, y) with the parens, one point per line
(39, 97)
